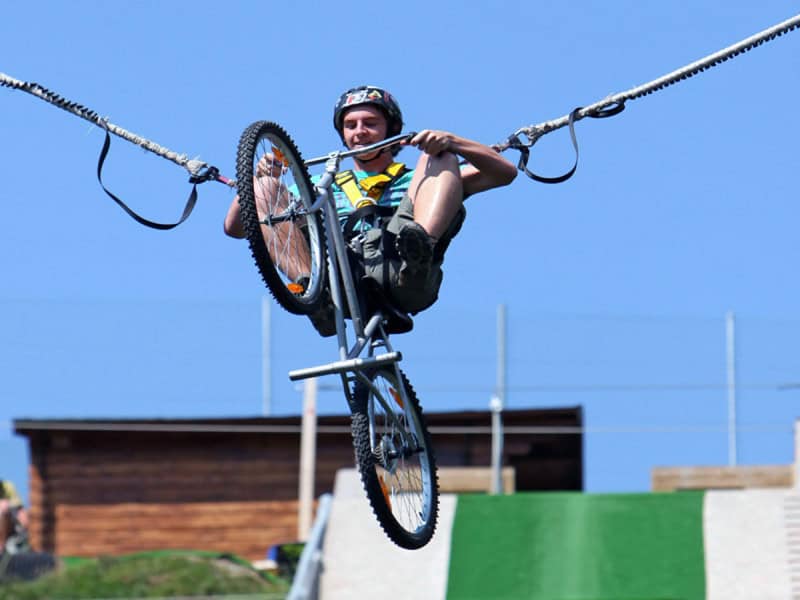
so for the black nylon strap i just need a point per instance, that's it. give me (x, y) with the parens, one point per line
(187, 210)
(525, 155)
(366, 212)
(525, 150)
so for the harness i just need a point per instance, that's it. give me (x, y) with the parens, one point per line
(364, 195)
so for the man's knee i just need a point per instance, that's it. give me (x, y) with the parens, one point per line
(434, 165)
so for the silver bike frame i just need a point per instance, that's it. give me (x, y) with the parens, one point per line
(369, 335)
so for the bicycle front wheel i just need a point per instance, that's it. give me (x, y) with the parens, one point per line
(395, 457)
(286, 240)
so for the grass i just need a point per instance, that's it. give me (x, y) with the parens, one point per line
(148, 575)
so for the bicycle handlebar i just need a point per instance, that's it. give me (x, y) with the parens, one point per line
(403, 137)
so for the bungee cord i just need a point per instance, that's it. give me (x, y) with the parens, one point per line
(611, 105)
(196, 167)
(199, 171)
(615, 103)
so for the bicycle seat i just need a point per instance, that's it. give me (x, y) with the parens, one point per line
(395, 320)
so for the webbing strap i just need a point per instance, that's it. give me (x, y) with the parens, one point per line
(524, 149)
(368, 212)
(370, 187)
(525, 155)
(187, 210)
(375, 184)
(346, 180)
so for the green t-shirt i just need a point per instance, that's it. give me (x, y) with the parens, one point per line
(391, 196)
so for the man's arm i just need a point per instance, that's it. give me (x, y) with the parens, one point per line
(487, 168)
(233, 222)
(267, 167)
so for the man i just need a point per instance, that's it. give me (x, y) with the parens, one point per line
(428, 200)
(13, 520)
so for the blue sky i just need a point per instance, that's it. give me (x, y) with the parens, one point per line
(617, 282)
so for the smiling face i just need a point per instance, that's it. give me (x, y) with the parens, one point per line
(363, 125)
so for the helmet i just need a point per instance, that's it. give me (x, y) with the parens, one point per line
(368, 94)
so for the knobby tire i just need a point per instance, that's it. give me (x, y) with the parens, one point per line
(284, 234)
(406, 505)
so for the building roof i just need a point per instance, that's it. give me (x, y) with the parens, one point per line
(538, 420)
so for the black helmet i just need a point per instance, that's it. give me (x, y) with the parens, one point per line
(368, 94)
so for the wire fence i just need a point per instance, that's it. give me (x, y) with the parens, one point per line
(656, 383)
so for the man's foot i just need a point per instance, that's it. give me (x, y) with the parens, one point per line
(415, 247)
(324, 320)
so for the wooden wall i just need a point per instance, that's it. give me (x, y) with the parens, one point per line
(93, 494)
(96, 492)
(670, 479)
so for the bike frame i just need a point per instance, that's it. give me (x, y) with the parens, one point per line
(369, 335)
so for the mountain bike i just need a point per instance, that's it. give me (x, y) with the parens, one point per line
(309, 264)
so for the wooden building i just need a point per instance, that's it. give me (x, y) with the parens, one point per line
(118, 486)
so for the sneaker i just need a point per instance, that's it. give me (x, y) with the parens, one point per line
(415, 247)
(324, 321)
(324, 318)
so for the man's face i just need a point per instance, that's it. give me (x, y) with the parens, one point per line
(363, 125)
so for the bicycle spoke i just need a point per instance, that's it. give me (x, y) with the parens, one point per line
(395, 458)
(275, 194)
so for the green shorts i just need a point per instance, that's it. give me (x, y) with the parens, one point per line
(382, 262)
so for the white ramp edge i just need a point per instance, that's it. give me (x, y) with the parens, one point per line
(360, 561)
(750, 551)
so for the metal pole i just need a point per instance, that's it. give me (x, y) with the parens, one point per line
(308, 450)
(730, 344)
(500, 392)
(496, 407)
(497, 402)
(266, 358)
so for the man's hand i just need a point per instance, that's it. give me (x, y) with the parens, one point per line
(433, 142)
(269, 166)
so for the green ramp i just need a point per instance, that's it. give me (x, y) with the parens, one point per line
(573, 546)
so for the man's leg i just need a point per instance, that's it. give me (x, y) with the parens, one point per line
(285, 242)
(437, 192)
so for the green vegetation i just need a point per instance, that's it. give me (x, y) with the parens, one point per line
(289, 558)
(149, 575)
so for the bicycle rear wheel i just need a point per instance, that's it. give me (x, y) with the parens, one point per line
(395, 457)
(275, 194)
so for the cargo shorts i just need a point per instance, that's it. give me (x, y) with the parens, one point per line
(382, 262)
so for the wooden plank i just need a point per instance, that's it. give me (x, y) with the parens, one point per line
(194, 494)
(454, 480)
(261, 470)
(175, 479)
(125, 540)
(192, 538)
(147, 465)
(208, 521)
(194, 508)
(168, 519)
(190, 451)
(736, 477)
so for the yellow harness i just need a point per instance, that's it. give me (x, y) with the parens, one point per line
(370, 189)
